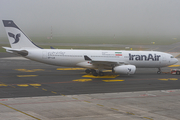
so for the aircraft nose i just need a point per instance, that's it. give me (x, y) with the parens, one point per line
(176, 60)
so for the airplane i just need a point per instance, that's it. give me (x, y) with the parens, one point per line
(95, 61)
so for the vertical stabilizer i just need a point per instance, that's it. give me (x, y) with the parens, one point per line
(17, 38)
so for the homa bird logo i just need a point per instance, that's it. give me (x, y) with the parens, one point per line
(129, 69)
(16, 38)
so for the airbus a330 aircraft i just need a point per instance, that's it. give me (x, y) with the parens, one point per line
(121, 62)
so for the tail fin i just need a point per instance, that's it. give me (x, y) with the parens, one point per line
(17, 38)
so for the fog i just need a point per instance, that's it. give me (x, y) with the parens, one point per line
(93, 17)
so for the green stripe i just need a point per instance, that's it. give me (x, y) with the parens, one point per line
(118, 52)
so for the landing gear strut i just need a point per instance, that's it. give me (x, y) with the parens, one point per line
(159, 71)
(94, 72)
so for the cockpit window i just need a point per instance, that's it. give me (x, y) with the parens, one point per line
(172, 57)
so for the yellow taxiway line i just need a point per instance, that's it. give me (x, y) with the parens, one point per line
(70, 69)
(82, 80)
(105, 76)
(174, 66)
(27, 75)
(112, 80)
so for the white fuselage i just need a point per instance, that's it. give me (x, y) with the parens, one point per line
(75, 58)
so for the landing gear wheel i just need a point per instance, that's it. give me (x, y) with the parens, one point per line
(101, 74)
(178, 73)
(158, 72)
(87, 71)
(94, 73)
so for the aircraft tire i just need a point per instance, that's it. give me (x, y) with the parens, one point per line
(158, 72)
(88, 71)
(101, 74)
(178, 73)
(94, 73)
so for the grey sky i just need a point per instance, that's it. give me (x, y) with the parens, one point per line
(93, 17)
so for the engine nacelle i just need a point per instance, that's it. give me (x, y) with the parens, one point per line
(125, 69)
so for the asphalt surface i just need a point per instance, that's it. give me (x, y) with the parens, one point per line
(26, 78)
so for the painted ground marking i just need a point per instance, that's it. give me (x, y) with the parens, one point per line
(168, 91)
(22, 85)
(105, 76)
(44, 89)
(70, 69)
(82, 80)
(53, 92)
(173, 79)
(112, 80)
(177, 56)
(147, 94)
(114, 109)
(62, 94)
(4, 99)
(100, 105)
(3, 85)
(148, 118)
(130, 113)
(87, 101)
(20, 111)
(35, 85)
(174, 66)
(74, 98)
(27, 75)
(33, 70)
(107, 70)
(171, 49)
(166, 79)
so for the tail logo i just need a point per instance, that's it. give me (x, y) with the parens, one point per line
(16, 38)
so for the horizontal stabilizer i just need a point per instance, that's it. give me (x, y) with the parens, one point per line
(17, 51)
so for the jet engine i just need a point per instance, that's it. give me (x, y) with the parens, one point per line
(124, 69)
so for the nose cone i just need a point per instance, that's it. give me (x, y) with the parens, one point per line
(175, 60)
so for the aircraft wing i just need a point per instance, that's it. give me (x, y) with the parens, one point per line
(104, 62)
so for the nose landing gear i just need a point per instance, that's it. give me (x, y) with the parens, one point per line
(159, 71)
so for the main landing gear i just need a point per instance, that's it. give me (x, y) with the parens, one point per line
(159, 71)
(94, 72)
